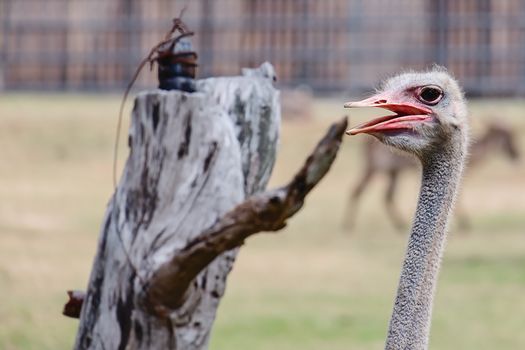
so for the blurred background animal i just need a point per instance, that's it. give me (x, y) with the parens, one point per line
(497, 139)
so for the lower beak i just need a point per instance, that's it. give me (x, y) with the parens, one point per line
(406, 116)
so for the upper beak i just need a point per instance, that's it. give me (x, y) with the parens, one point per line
(367, 102)
(406, 115)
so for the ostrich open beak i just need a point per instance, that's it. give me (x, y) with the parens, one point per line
(406, 116)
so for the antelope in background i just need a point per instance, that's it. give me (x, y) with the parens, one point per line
(380, 159)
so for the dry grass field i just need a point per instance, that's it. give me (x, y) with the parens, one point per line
(311, 286)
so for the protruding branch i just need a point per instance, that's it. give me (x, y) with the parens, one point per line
(267, 211)
(74, 305)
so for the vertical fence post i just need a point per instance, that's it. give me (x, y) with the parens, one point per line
(206, 36)
(519, 44)
(355, 10)
(483, 54)
(441, 23)
(305, 61)
(6, 10)
(65, 28)
(131, 27)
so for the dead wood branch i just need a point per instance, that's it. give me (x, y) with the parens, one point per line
(74, 305)
(266, 211)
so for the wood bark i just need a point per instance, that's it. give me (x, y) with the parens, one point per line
(171, 229)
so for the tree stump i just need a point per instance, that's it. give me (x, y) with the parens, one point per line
(189, 195)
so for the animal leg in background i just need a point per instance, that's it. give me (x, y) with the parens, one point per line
(396, 218)
(463, 218)
(351, 211)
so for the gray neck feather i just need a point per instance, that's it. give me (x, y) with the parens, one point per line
(410, 322)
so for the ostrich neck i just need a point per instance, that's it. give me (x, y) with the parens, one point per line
(410, 322)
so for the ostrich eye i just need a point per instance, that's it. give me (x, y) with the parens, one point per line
(430, 95)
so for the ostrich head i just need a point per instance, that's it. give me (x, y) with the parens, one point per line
(429, 109)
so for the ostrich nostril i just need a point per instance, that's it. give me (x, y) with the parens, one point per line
(379, 102)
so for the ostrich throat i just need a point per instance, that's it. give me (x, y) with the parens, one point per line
(441, 172)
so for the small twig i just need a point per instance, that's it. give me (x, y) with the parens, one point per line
(177, 25)
(267, 211)
(74, 305)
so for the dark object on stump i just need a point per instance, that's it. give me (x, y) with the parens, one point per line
(74, 305)
(176, 70)
(177, 62)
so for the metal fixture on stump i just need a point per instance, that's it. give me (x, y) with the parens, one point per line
(177, 62)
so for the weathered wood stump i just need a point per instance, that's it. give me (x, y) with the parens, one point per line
(184, 204)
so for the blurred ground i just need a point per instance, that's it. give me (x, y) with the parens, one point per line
(311, 286)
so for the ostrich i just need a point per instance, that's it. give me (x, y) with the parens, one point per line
(497, 138)
(429, 121)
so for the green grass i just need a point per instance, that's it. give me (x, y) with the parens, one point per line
(311, 286)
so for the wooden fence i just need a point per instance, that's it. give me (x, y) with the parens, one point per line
(332, 45)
